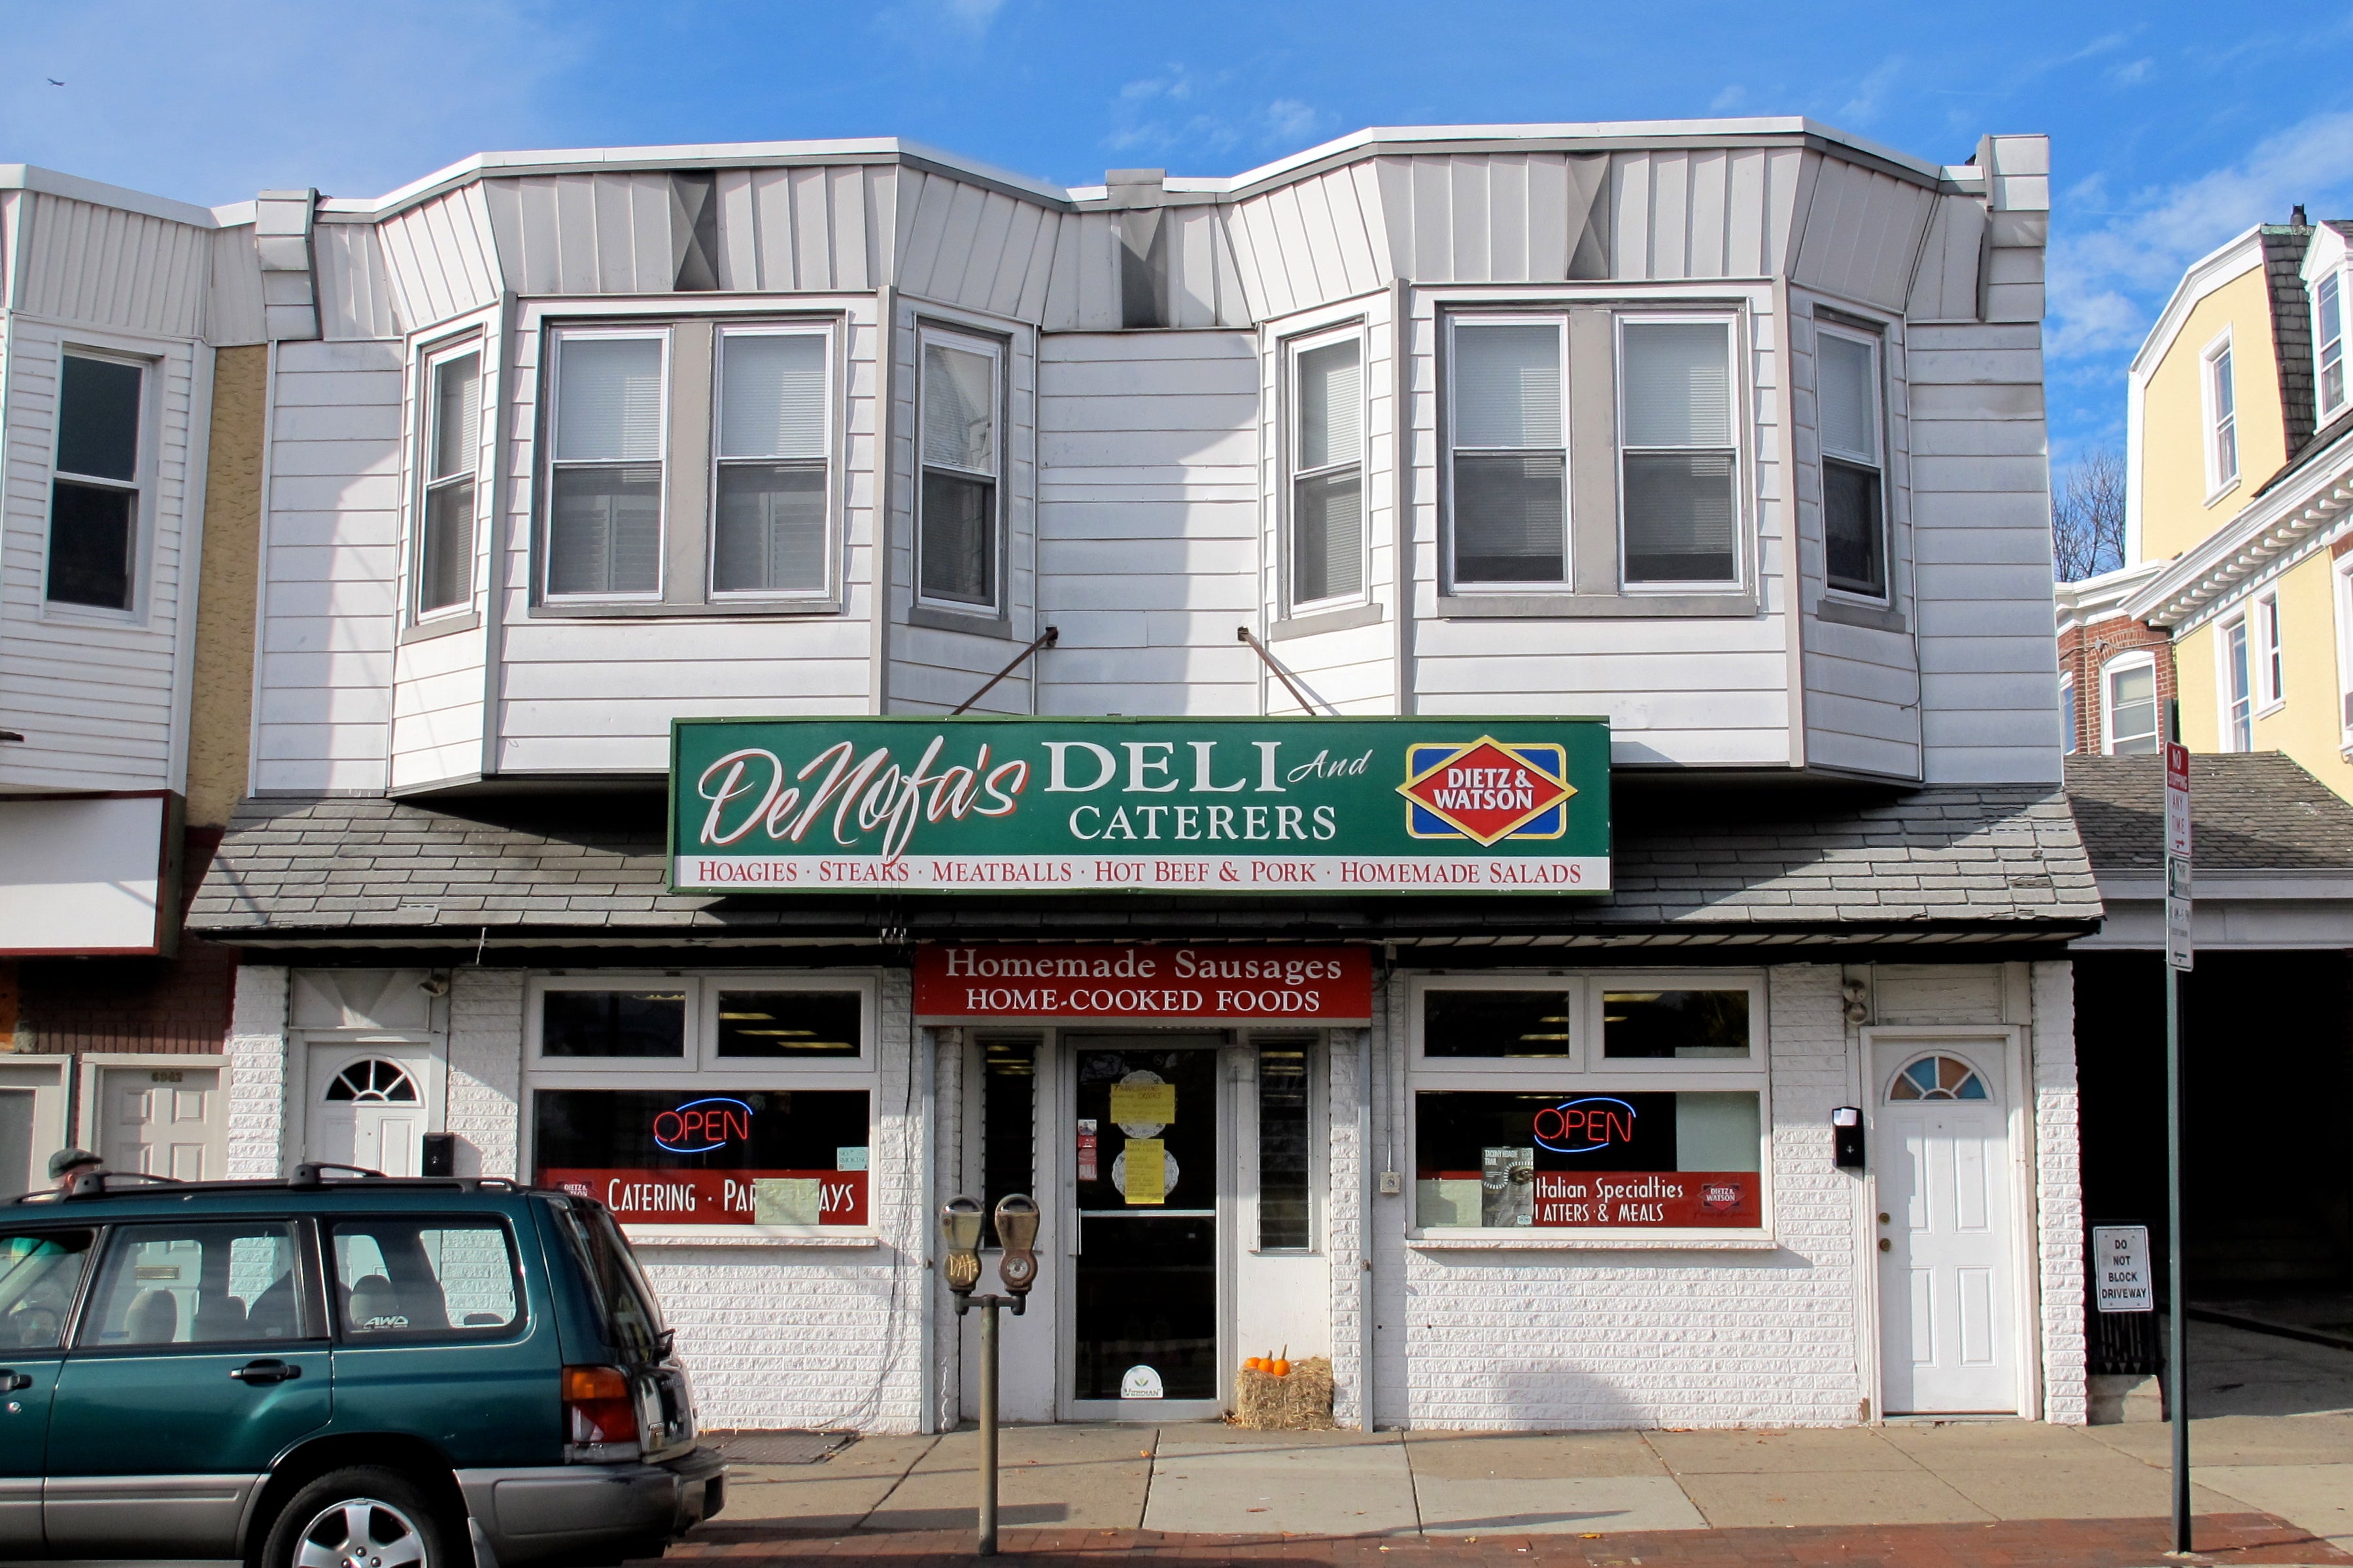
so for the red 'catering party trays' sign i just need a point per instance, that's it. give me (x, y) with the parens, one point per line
(720, 1197)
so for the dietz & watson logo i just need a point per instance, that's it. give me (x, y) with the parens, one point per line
(1487, 791)
(702, 1125)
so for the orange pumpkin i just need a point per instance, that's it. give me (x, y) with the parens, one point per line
(1255, 1365)
(1280, 1367)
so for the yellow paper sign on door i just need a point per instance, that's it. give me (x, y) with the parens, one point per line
(1147, 1170)
(1143, 1103)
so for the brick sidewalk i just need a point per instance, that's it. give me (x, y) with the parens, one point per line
(2224, 1539)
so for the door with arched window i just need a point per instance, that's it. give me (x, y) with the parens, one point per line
(1941, 1157)
(368, 1109)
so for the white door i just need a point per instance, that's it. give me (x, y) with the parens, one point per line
(368, 1110)
(164, 1121)
(1947, 1342)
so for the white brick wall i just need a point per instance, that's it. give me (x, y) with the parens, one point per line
(485, 1070)
(1343, 1228)
(2059, 1207)
(256, 1048)
(1557, 1340)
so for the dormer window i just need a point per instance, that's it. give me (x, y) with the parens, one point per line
(2328, 308)
(2222, 419)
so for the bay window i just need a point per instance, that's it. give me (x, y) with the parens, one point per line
(605, 502)
(685, 1103)
(1625, 1104)
(1679, 509)
(1855, 515)
(1327, 486)
(770, 534)
(95, 492)
(1509, 451)
(957, 527)
(452, 452)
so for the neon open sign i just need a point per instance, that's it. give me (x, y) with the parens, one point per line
(702, 1125)
(1584, 1126)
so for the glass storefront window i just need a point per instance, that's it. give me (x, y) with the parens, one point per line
(613, 1023)
(1686, 1024)
(1283, 1212)
(708, 1155)
(1492, 1024)
(1587, 1158)
(795, 1025)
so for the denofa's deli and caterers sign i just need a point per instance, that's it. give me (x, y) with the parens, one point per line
(1205, 806)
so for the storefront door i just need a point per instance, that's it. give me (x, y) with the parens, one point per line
(1145, 1299)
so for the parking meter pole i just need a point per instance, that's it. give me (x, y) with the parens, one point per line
(988, 1544)
(2177, 1358)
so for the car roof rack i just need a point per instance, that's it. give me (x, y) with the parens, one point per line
(309, 1176)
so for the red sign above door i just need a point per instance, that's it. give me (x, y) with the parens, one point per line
(1095, 984)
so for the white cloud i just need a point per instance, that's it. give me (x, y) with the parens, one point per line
(974, 16)
(209, 105)
(1863, 107)
(1732, 96)
(1288, 119)
(2107, 282)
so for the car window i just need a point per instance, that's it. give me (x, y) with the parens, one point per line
(401, 1277)
(195, 1283)
(38, 1274)
(622, 1294)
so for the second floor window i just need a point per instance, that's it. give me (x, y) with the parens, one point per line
(1680, 511)
(604, 506)
(1510, 453)
(2131, 708)
(94, 490)
(2067, 716)
(453, 439)
(1327, 486)
(770, 493)
(1855, 527)
(2273, 658)
(956, 528)
(2238, 689)
(2222, 419)
(2328, 342)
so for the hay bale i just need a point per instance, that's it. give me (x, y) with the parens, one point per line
(1300, 1401)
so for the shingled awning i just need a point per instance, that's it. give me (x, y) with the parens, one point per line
(1971, 863)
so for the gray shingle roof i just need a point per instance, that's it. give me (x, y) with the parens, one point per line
(2251, 811)
(1970, 863)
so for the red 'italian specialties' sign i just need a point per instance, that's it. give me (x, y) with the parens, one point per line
(1664, 1198)
(720, 1197)
(1103, 984)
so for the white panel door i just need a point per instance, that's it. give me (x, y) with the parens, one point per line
(1946, 1338)
(164, 1121)
(367, 1109)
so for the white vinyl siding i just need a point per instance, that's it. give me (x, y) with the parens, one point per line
(957, 532)
(1854, 500)
(1679, 468)
(604, 506)
(1509, 472)
(453, 440)
(1327, 486)
(770, 530)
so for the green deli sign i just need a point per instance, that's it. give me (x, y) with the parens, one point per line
(1206, 805)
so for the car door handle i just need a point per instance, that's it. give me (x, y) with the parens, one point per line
(10, 1382)
(255, 1372)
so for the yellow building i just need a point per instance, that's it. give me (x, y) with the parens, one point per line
(2239, 467)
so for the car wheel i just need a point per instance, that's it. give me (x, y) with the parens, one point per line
(360, 1518)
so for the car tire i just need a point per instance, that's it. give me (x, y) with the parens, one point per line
(321, 1525)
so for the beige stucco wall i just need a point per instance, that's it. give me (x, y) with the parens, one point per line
(220, 720)
(2306, 724)
(2175, 512)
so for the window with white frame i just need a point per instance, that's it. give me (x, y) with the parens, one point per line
(452, 449)
(2128, 706)
(2238, 687)
(2343, 596)
(1854, 512)
(1627, 1102)
(1678, 482)
(2222, 418)
(1327, 483)
(2328, 344)
(605, 490)
(1509, 447)
(95, 511)
(769, 534)
(737, 1100)
(2271, 658)
(2067, 720)
(957, 531)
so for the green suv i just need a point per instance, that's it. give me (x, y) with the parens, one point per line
(347, 1372)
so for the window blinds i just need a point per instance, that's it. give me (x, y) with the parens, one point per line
(1849, 392)
(1678, 389)
(610, 400)
(1330, 406)
(959, 409)
(772, 395)
(1507, 386)
(457, 416)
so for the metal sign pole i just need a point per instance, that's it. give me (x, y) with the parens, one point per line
(2179, 958)
(988, 1544)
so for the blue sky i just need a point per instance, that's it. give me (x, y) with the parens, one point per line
(2174, 126)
